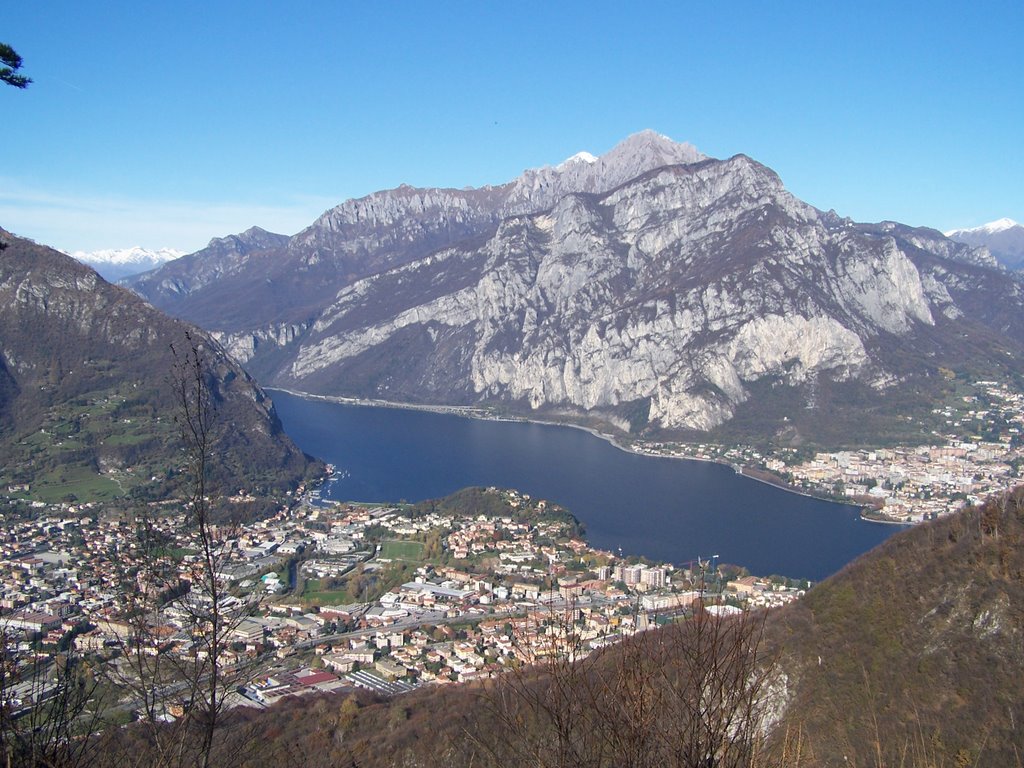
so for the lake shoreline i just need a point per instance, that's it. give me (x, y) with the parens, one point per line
(880, 521)
(669, 511)
(471, 412)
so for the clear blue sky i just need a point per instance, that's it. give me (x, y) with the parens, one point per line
(166, 124)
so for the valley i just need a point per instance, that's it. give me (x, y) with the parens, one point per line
(555, 385)
(671, 304)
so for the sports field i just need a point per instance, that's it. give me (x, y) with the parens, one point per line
(402, 550)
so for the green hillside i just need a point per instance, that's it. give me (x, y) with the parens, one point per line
(87, 405)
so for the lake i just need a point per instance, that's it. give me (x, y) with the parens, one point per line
(666, 509)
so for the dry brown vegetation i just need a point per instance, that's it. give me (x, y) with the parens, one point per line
(914, 654)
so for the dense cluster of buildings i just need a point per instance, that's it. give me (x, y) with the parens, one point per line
(979, 452)
(912, 484)
(502, 590)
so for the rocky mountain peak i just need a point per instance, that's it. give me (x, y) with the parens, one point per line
(535, 190)
(579, 157)
(251, 239)
(540, 188)
(999, 225)
(255, 232)
(652, 149)
(666, 302)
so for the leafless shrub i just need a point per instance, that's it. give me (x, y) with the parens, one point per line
(45, 717)
(181, 691)
(688, 695)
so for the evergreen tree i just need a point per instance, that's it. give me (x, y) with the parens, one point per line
(11, 64)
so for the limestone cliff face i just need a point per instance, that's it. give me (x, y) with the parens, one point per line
(653, 288)
(674, 291)
(290, 279)
(245, 345)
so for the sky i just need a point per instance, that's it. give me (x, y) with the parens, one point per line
(168, 124)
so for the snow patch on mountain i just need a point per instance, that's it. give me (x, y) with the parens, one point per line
(116, 263)
(133, 255)
(1003, 239)
(999, 225)
(579, 157)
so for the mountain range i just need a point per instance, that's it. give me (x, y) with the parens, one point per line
(1004, 238)
(87, 405)
(114, 264)
(652, 290)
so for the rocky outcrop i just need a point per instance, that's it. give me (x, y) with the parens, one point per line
(243, 346)
(290, 279)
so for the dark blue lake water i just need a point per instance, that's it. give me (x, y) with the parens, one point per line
(665, 509)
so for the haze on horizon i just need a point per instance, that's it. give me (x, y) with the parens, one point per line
(166, 126)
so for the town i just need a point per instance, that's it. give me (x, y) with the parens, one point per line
(978, 453)
(325, 596)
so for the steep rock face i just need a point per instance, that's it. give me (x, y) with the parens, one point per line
(244, 346)
(961, 279)
(665, 298)
(290, 280)
(652, 288)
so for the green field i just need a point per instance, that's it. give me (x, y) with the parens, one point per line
(312, 593)
(79, 482)
(59, 457)
(402, 550)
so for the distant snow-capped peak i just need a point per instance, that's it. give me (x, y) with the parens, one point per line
(999, 225)
(118, 263)
(127, 256)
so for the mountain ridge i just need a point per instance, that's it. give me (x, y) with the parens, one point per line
(344, 243)
(113, 264)
(786, 324)
(644, 296)
(85, 391)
